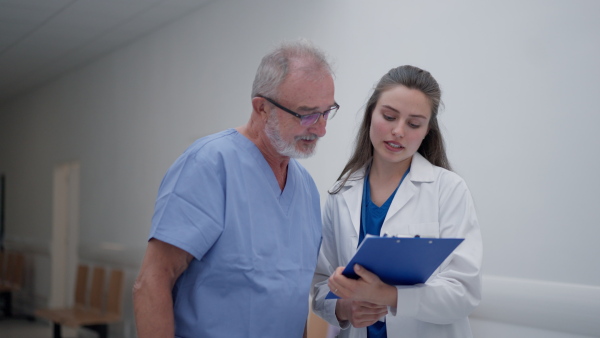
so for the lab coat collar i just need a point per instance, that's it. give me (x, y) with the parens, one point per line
(421, 171)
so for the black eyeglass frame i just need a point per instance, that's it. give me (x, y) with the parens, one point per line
(302, 118)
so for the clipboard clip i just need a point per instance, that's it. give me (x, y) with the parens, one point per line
(398, 236)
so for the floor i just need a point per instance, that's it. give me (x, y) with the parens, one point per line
(22, 328)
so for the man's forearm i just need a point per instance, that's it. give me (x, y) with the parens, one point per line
(153, 310)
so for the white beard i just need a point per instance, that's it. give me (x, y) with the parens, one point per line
(285, 148)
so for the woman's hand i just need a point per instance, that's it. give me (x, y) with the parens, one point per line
(368, 288)
(360, 314)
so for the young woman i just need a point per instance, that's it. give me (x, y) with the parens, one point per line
(398, 182)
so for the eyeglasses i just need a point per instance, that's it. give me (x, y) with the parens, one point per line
(308, 119)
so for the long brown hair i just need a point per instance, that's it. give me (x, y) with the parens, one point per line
(432, 147)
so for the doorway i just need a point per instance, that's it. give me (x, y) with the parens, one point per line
(65, 234)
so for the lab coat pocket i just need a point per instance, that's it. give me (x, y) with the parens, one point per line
(425, 230)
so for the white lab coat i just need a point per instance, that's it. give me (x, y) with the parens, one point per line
(431, 202)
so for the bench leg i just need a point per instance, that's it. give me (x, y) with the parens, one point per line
(101, 329)
(6, 303)
(56, 331)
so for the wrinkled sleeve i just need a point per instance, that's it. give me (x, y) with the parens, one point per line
(189, 210)
(455, 289)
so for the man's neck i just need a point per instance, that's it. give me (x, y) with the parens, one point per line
(276, 161)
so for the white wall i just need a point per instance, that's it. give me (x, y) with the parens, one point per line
(520, 81)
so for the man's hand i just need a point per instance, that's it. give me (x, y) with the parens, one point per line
(360, 314)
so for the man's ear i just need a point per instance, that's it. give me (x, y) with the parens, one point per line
(260, 106)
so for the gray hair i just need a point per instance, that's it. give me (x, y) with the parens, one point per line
(276, 65)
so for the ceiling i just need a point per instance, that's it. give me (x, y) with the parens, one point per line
(41, 39)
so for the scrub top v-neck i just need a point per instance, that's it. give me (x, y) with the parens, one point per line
(371, 215)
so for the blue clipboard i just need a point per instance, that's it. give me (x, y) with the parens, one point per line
(400, 261)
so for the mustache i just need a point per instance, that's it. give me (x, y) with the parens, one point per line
(308, 137)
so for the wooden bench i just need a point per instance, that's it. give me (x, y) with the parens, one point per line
(12, 267)
(88, 310)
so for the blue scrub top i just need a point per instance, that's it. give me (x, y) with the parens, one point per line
(372, 218)
(255, 246)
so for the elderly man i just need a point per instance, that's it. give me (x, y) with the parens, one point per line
(237, 228)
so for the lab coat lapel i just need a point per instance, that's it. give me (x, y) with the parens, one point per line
(353, 198)
(421, 171)
(405, 193)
